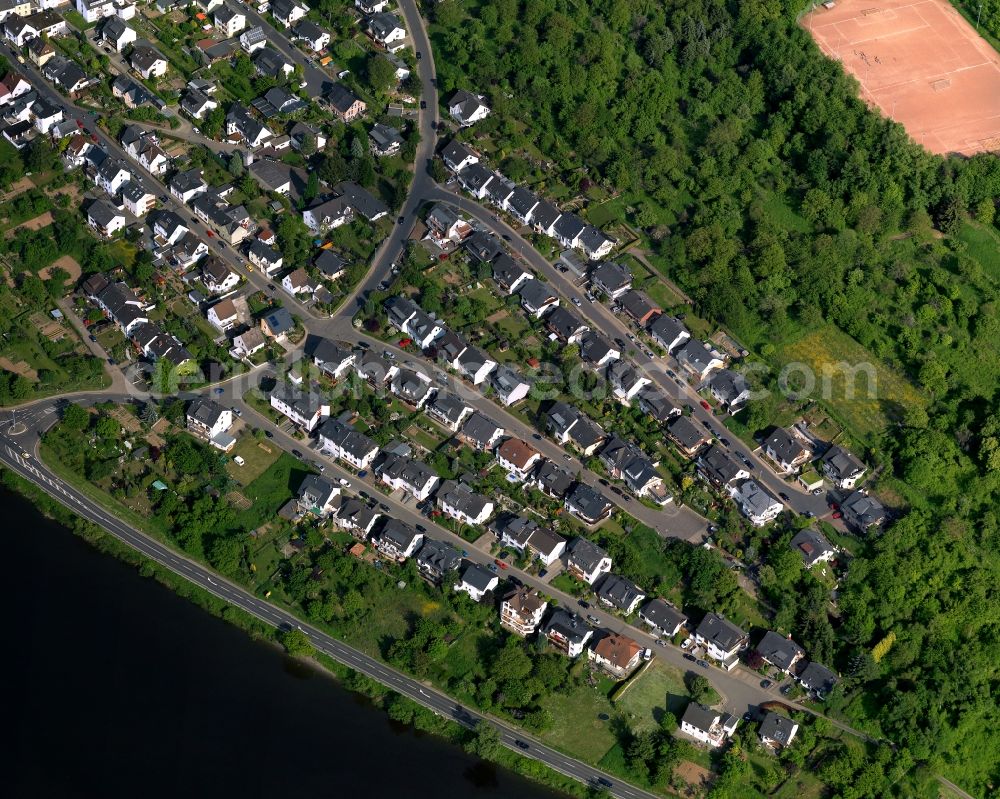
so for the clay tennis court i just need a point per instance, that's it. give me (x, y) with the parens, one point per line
(922, 64)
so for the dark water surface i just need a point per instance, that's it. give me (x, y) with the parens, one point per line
(117, 687)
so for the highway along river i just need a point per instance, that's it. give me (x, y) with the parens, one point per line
(118, 687)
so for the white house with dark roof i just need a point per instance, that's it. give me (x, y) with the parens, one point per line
(343, 442)
(537, 298)
(755, 501)
(409, 475)
(841, 467)
(813, 547)
(776, 731)
(436, 559)
(707, 726)
(719, 467)
(508, 274)
(458, 156)
(458, 501)
(521, 611)
(567, 632)
(723, 640)
(862, 511)
(611, 278)
(476, 581)
(527, 536)
(481, 432)
(698, 358)
(207, 418)
(397, 540)
(105, 218)
(508, 386)
(668, 332)
(586, 561)
(626, 381)
(315, 38)
(448, 410)
(780, 651)
(730, 389)
(596, 350)
(317, 495)
(619, 593)
(662, 617)
(817, 679)
(265, 258)
(304, 408)
(786, 450)
(467, 108)
(229, 20)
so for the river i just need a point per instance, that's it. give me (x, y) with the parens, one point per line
(118, 687)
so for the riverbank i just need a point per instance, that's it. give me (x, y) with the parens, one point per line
(400, 711)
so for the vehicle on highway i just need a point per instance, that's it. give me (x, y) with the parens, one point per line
(593, 619)
(765, 684)
(521, 744)
(93, 338)
(606, 783)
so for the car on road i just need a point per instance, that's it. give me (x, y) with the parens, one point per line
(660, 642)
(605, 782)
(765, 684)
(593, 619)
(521, 744)
(269, 434)
(383, 506)
(236, 411)
(583, 603)
(543, 573)
(784, 496)
(689, 656)
(809, 514)
(702, 663)
(297, 454)
(506, 237)
(363, 474)
(786, 689)
(423, 104)
(647, 654)
(500, 563)
(210, 234)
(93, 338)
(671, 373)
(216, 391)
(420, 528)
(678, 381)
(344, 482)
(419, 55)
(817, 491)
(536, 436)
(400, 220)
(836, 514)
(591, 298)
(706, 425)
(576, 302)
(704, 404)
(493, 568)
(320, 467)
(388, 355)
(271, 287)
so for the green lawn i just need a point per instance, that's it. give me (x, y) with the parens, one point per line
(775, 208)
(659, 688)
(577, 726)
(259, 455)
(271, 490)
(983, 244)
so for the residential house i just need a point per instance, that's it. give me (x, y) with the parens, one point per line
(786, 450)
(241, 126)
(187, 185)
(328, 215)
(20, 29)
(596, 350)
(384, 140)
(132, 93)
(436, 559)
(277, 324)
(458, 156)
(333, 358)
(567, 229)
(617, 654)
(518, 458)
(298, 282)
(412, 387)
(521, 611)
(278, 101)
(586, 561)
(445, 226)
(362, 201)
(68, 76)
(330, 265)
(302, 132)
(499, 191)
(626, 382)
(613, 279)
(521, 205)
(525, 535)
(288, 12)
(664, 619)
(668, 332)
(113, 31)
(458, 501)
(217, 276)
(688, 436)
(777, 732)
(448, 410)
(397, 540)
(147, 61)
(249, 342)
(208, 419)
(229, 20)
(639, 307)
(168, 226)
(781, 652)
(371, 6)
(565, 325)
(343, 442)
(567, 632)
(620, 593)
(813, 547)
(253, 39)
(223, 315)
(862, 512)
(112, 174)
(755, 501)
(475, 365)
(407, 474)
(304, 408)
(817, 679)
(271, 63)
(467, 108)
(104, 218)
(625, 461)
(317, 495)
(706, 725)
(729, 388)
(475, 179)
(698, 358)
(265, 258)
(841, 467)
(508, 386)
(375, 369)
(40, 51)
(655, 403)
(187, 251)
(19, 8)
(477, 582)
(595, 243)
(508, 274)
(552, 480)
(313, 35)
(720, 468)
(137, 200)
(387, 29)
(723, 640)
(481, 432)
(353, 515)
(345, 103)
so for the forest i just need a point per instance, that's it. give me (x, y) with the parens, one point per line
(784, 206)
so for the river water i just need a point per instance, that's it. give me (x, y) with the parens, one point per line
(118, 687)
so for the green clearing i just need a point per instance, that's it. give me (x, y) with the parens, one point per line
(271, 490)
(983, 244)
(857, 388)
(577, 726)
(660, 688)
(777, 209)
(258, 456)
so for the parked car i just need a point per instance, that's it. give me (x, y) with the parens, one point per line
(647, 654)
(217, 391)
(363, 474)
(784, 496)
(419, 55)
(420, 528)
(297, 454)
(660, 642)
(702, 663)
(93, 338)
(576, 302)
(686, 643)
(269, 434)
(765, 684)
(500, 563)
(689, 656)
(344, 482)
(817, 491)
(583, 603)
(593, 619)
(423, 104)
(543, 573)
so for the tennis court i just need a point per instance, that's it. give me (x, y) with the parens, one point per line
(922, 64)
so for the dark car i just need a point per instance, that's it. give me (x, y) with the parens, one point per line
(271, 287)
(583, 603)
(297, 454)
(605, 782)
(536, 436)
(543, 573)
(401, 220)
(93, 338)
(784, 496)
(419, 56)
(689, 656)
(506, 237)
(423, 104)
(194, 220)
(504, 555)
(269, 434)
(706, 425)
(725, 442)
(521, 744)
(765, 684)
(702, 663)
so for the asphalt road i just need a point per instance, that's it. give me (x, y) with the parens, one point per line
(14, 448)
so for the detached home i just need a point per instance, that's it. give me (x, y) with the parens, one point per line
(458, 501)
(345, 443)
(147, 61)
(508, 386)
(477, 582)
(781, 652)
(302, 407)
(755, 501)
(587, 561)
(207, 419)
(706, 725)
(397, 540)
(664, 619)
(467, 108)
(617, 654)
(412, 476)
(841, 467)
(613, 279)
(521, 611)
(567, 632)
(723, 640)
(620, 593)
(786, 450)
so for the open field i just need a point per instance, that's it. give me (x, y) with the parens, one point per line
(258, 456)
(577, 724)
(922, 64)
(858, 388)
(660, 688)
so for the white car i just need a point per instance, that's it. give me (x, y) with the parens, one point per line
(345, 483)
(686, 643)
